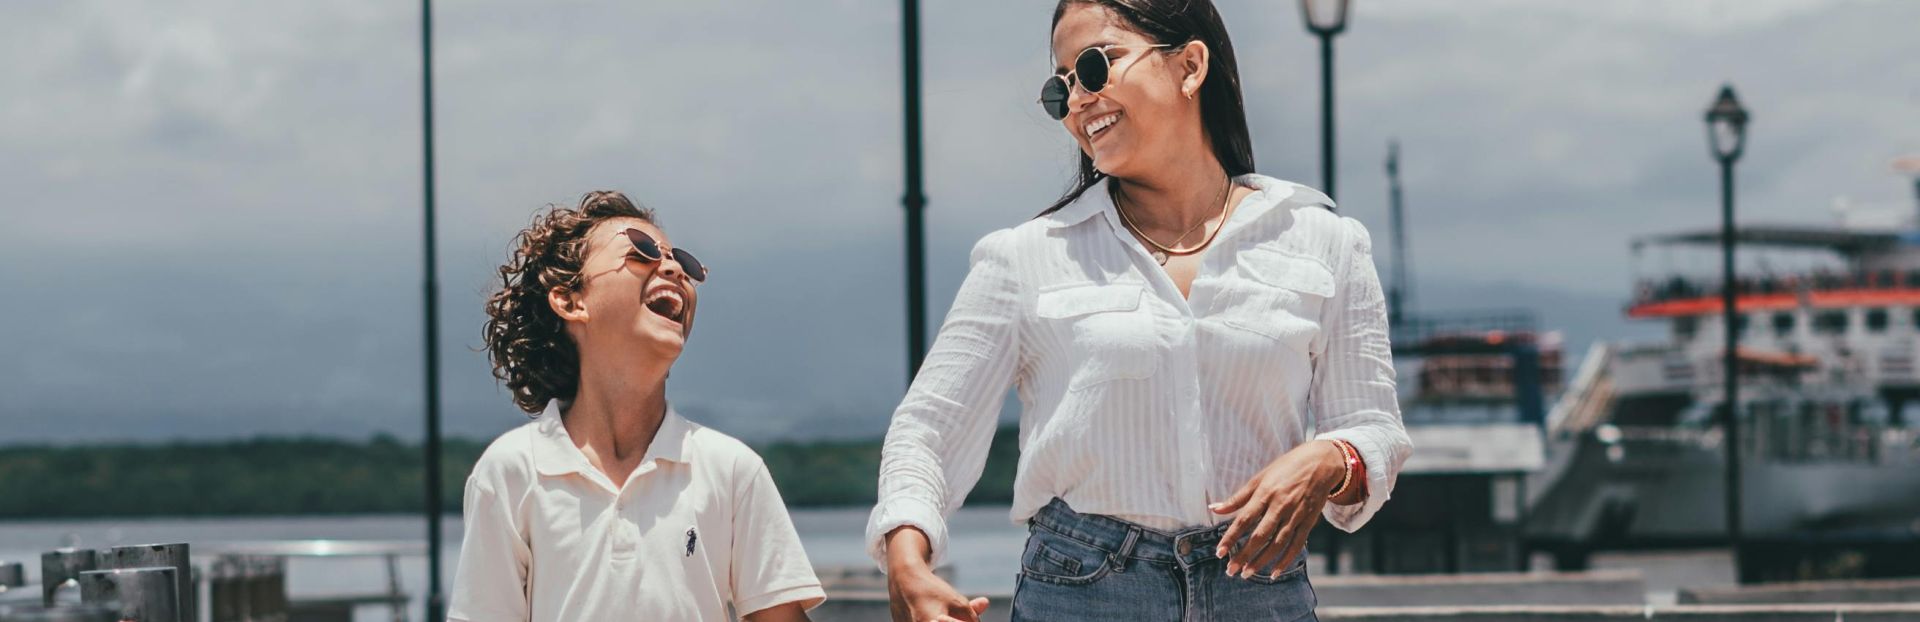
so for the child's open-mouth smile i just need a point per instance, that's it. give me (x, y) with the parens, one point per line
(668, 301)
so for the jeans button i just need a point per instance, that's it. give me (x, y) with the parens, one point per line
(1185, 547)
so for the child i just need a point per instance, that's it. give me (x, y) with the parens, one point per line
(609, 505)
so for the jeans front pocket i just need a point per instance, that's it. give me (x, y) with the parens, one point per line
(1055, 558)
(1283, 572)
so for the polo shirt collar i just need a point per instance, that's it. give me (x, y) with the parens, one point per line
(554, 452)
(1268, 194)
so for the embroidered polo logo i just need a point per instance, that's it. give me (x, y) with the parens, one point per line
(693, 537)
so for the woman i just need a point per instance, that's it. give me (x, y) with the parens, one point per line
(1201, 355)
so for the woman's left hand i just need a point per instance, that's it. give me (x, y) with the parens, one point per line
(1279, 506)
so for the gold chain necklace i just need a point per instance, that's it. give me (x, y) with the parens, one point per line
(1165, 252)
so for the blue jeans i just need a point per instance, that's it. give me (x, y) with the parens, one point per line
(1091, 567)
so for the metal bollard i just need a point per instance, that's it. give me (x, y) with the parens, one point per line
(61, 568)
(136, 594)
(12, 575)
(270, 589)
(249, 588)
(224, 592)
(63, 613)
(175, 556)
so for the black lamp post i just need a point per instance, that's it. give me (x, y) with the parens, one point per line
(1727, 134)
(915, 199)
(1325, 18)
(436, 602)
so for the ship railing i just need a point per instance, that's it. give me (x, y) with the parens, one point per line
(1648, 291)
(1814, 432)
(1422, 329)
(1786, 436)
(391, 595)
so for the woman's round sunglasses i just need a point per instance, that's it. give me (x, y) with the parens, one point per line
(650, 249)
(1091, 69)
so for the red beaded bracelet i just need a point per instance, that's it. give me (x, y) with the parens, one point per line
(1352, 458)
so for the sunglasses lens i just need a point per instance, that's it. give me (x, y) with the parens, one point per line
(1091, 66)
(1053, 97)
(693, 266)
(645, 244)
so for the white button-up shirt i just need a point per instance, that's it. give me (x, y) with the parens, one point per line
(1137, 402)
(696, 528)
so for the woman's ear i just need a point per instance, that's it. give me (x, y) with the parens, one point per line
(1193, 59)
(566, 303)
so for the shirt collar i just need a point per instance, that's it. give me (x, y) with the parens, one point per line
(1095, 200)
(1268, 194)
(555, 454)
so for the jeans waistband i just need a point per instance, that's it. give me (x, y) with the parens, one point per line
(1128, 539)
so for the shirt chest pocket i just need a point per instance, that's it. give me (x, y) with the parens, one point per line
(1107, 333)
(1282, 297)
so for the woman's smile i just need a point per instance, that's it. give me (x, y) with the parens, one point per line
(1100, 124)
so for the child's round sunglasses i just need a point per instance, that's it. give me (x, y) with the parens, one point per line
(651, 250)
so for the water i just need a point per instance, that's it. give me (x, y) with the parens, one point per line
(984, 545)
(984, 549)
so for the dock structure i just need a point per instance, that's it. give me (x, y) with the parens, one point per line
(1602, 596)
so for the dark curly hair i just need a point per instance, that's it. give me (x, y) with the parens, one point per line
(526, 342)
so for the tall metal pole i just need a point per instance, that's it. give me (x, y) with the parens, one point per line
(1730, 361)
(436, 604)
(1326, 115)
(1396, 297)
(915, 199)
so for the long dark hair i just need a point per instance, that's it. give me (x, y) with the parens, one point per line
(1222, 111)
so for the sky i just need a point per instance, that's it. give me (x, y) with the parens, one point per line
(213, 217)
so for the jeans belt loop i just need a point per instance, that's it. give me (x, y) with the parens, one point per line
(1118, 558)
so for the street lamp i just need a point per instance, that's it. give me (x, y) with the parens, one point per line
(915, 199)
(1727, 135)
(1325, 18)
(435, 597)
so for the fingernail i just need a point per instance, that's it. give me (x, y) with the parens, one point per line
(1213, 506)
(1220, 551)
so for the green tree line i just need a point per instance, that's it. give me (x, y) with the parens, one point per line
(300, 476)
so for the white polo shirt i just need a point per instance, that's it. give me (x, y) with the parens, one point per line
(698, 526)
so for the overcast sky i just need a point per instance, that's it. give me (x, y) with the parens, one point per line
(212, 207)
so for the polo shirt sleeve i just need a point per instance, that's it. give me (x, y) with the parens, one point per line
(491, 582)
(769, 566)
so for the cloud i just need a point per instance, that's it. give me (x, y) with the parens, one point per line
(212, 206)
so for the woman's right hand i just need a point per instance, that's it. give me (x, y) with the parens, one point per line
(914, 592)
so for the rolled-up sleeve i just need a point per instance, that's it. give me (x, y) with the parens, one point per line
(1353, 397)
(937, 444)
